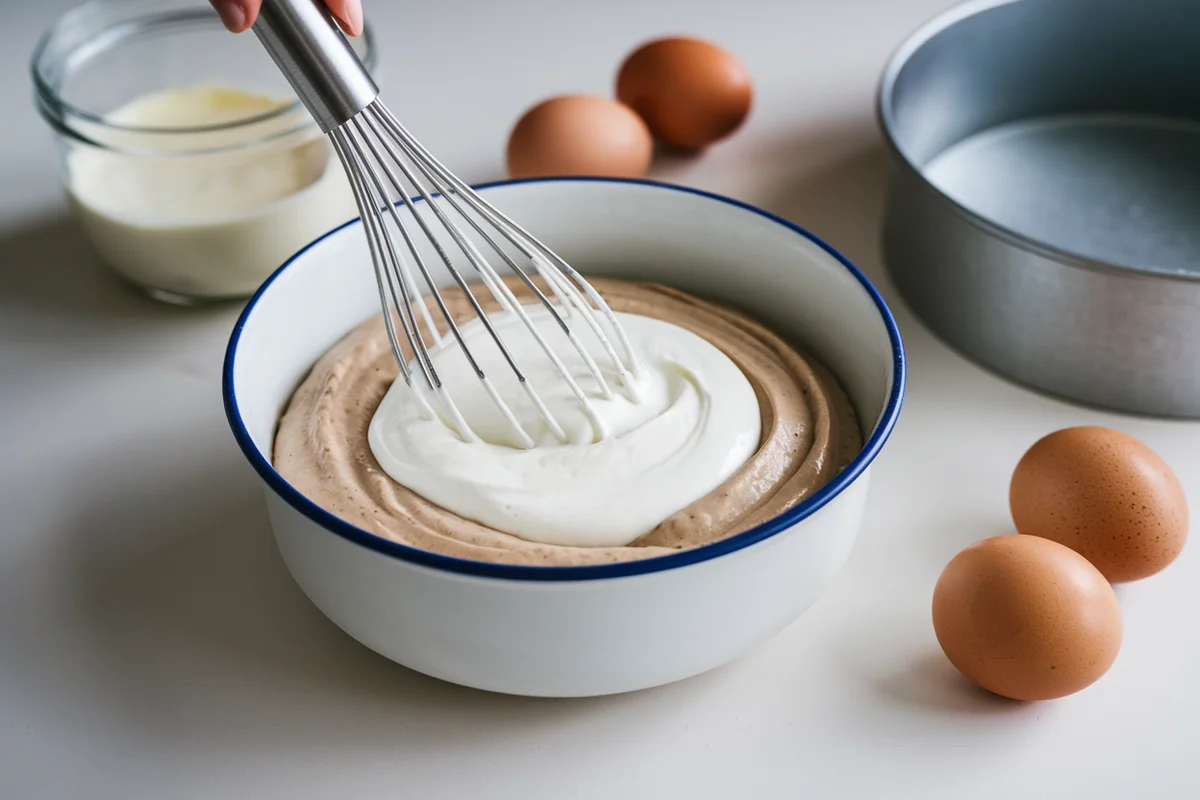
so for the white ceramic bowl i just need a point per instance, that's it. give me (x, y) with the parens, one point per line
(592, 630)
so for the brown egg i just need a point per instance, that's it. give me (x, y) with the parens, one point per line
(1026, 617)
(580, 135)
(1105, 495)
(691, 93)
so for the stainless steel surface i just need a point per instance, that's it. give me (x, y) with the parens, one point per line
(387, 167)
(315, 57)
(1041, 215)
(1124, 190)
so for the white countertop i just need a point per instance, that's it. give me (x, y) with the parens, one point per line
(152, 644)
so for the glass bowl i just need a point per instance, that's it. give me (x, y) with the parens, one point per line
(194, 170)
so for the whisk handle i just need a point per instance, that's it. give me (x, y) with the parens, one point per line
(313, 54)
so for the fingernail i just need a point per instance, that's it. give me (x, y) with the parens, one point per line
(232, 14)
(355, 21)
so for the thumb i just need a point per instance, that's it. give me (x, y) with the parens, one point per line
(237, 15)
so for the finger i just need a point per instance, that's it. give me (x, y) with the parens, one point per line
(349, 14)
(237, 15)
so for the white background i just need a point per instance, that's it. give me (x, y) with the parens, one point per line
(152, 644)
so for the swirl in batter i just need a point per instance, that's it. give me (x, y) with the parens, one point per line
(806, 433)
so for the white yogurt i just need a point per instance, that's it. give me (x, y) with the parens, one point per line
(695, 423)
(205, 213)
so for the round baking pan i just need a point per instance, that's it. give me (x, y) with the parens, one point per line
(1043, 212)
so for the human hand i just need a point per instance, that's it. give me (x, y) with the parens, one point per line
(239, 15)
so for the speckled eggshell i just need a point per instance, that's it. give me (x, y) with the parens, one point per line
(1105, 495)
(1026, 618)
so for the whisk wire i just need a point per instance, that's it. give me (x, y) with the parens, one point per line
(514, 233)
(377, 262)
(390, 262)
(381, 250)
(362, 143)
(489, 387)
(443, 183)
(503, 294)
(387, 167)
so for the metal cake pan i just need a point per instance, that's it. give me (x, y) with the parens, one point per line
(1043, 211)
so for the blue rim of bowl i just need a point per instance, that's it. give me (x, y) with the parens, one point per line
(622, 569)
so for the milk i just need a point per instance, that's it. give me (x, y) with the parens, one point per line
(214, 199)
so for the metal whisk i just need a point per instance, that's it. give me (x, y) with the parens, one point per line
(387, 167)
